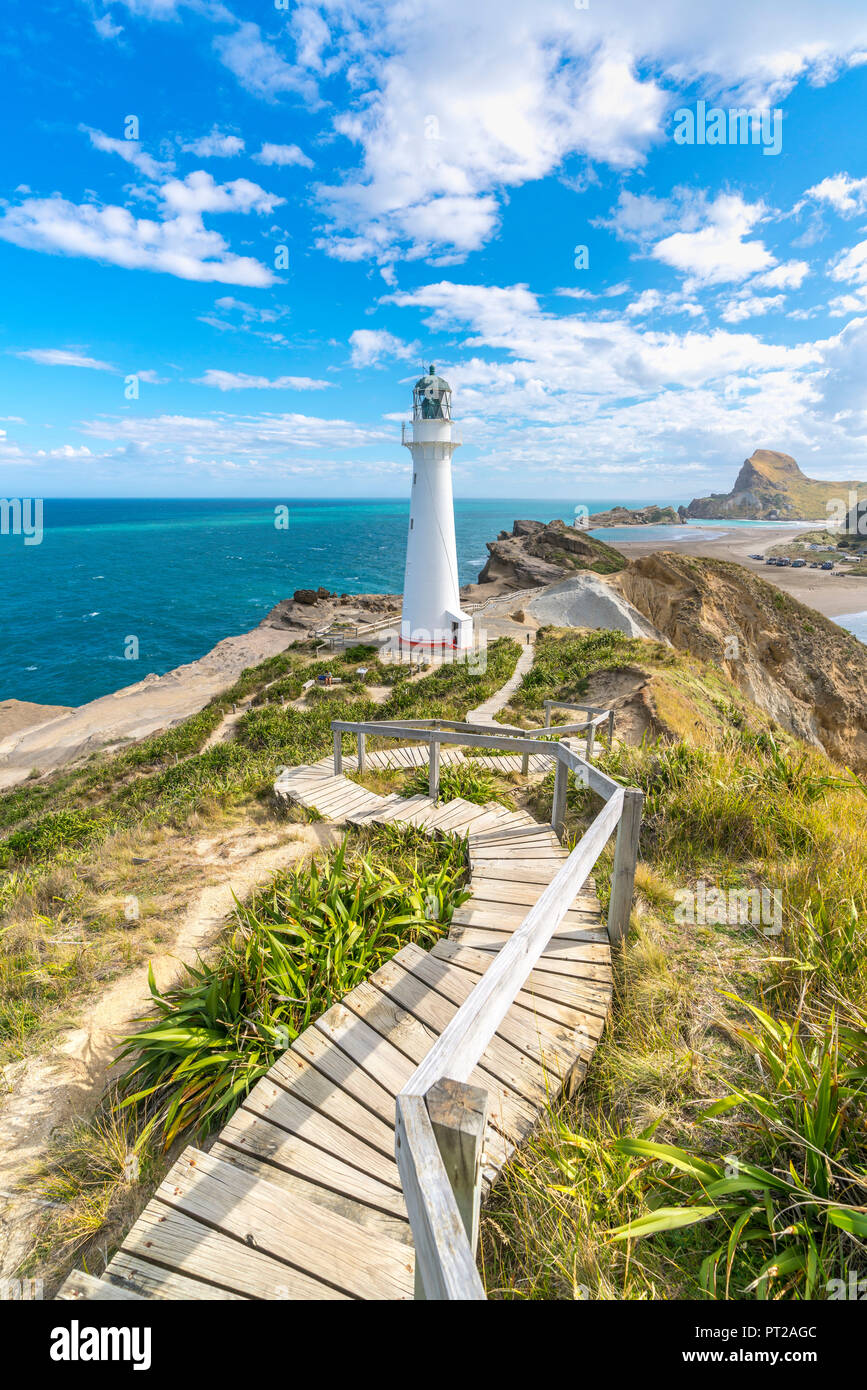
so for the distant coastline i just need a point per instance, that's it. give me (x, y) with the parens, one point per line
(181, 575)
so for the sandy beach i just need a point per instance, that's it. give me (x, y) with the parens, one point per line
(828, 593)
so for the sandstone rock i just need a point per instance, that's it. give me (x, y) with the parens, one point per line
(806, 672)
(638, 516)
(538, 553)
(771, 487)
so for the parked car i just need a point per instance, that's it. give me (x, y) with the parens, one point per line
(799, 564)
(827, 565)
(815, 564)
(783, 561)
(771, 561)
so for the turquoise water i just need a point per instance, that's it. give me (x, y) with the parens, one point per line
(180, 575)
(855, 622)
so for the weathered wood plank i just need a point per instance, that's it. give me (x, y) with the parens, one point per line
(563, 992)
(323, 1244)
(292, 1115)
(182, 1244)
(323, 1179)
(467, 1036)
(79, 1286)
(152, 1282)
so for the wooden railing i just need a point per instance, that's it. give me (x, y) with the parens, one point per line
(440, 1118)
(601, 715)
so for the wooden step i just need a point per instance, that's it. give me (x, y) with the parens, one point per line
(79, 1286)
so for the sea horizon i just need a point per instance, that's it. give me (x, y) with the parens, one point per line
(181, 574)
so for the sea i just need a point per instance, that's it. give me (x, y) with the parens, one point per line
(179, 575)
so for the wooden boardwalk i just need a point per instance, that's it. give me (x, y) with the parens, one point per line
(300, 1196)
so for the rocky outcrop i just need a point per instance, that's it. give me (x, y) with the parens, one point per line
(806, 672)
(637, 516)
(771, 487)
(312, 609)
(535, 553)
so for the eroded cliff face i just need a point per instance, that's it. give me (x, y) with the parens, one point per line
(802, 669)
(771, 486)
(537, 553)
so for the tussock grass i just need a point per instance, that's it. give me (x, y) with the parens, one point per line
(718, 1147)
(297, 947)
(95, 1180)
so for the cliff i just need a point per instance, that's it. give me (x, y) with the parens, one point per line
(806, 672)
(535, 553)
(771, 487)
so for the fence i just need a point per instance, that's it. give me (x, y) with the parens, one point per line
(440, 1119)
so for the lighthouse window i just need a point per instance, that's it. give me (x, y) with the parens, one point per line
(410, 523)
(414, 476)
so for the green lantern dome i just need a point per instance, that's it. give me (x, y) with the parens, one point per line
(432, 397)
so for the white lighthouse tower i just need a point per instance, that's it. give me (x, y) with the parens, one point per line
(432, 613)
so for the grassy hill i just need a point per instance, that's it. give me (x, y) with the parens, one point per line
(744, 1052)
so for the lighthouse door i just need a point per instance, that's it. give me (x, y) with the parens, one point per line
(456, 632)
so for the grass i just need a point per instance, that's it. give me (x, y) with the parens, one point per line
(563, 664)
(718, 1146)
(99, 1174)
(297, 947)
(55, 949)
(464, 780)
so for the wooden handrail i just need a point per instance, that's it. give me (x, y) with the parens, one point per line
(444, 1240)
(438, 1129)
(529, 741)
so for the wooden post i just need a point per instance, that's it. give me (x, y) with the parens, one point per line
(591, 739)
(558, 807)
(338, 752)
(547, 714)
(525, 765)
(610, 727)
(362, 752)
(625, 860)
(458, 1114)
(433, 785)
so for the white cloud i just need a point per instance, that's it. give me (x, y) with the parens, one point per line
(747, 306)
(789, 276)
(240, 381)
(129, 150)
(654, 302)
(282, 155)
(199, 192)
(845, 195)
(258, 65)
(852, 265)
(219, 435)
(370, 346)
(63, 357)
(718, 251)
(106, 28)
(65, 451)
(215, 145)
(609, 390)
(179, 245)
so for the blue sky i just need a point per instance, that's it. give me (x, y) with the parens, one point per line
(319, 198)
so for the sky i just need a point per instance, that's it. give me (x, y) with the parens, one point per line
(232, 236)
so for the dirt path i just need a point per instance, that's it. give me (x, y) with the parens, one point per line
(44, 1092)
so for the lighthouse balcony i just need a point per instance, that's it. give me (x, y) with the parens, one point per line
(429, 432)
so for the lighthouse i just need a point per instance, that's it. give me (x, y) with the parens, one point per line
(432, 613)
